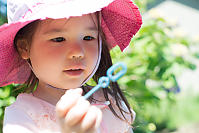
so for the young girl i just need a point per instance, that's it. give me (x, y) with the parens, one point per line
(54, 48)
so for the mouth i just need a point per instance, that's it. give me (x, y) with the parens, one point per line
(73, 72)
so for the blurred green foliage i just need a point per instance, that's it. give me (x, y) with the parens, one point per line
(2, 14)
(155, 60)
(155, 57)
(158, 55)
(6, 98)
(2, 20)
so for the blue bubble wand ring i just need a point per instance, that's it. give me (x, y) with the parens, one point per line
(105, 80)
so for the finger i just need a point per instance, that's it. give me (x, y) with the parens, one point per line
(76, 114)
(97, 123)
(99, 119)
(91, 118)
(77, 90)
(67, 101)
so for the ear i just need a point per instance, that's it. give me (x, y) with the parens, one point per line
(23, 49)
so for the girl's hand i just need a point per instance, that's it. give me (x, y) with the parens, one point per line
(76, 115)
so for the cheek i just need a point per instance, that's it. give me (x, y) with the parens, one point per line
(44, 52)
(92, 55)
(43, 58)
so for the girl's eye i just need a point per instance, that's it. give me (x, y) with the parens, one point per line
(88, 38)
(58, 39)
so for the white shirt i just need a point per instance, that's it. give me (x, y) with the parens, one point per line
(30, 114)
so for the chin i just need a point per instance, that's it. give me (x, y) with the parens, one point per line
(68, 84)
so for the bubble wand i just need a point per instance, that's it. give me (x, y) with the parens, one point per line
(105, 80)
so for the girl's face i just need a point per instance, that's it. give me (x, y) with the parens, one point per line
(64, 52)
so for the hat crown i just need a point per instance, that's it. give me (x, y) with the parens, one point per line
(17, 9)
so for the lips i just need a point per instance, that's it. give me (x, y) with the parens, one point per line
(74, 70)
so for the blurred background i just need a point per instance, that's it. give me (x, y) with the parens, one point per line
(161, 83)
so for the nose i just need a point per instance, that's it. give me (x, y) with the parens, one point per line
(76, 51)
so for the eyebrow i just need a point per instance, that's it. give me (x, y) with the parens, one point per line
(55, 30)
(92, 28)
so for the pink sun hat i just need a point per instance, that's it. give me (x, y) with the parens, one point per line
(120, 21)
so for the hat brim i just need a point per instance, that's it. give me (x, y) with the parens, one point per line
(120, 21)
(13, 69)
(70, 8)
